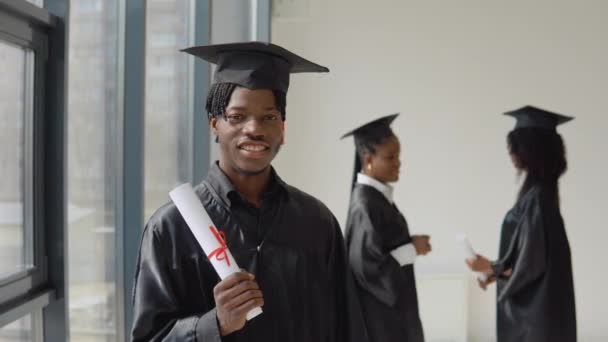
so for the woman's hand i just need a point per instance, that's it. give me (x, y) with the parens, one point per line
(483, 284)
(480, 264)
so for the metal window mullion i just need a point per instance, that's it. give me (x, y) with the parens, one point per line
(261, 18)
(200, 126)
(130, 202)
(38, 223)
(29, 134)
(191, 94)
(121, 297)
(53, 172)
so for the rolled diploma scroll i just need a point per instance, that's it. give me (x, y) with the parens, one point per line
(208, 237)
(469, 254)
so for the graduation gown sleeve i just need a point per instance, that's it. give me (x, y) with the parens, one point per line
(527, 253)
(157, 310)
(375, 270)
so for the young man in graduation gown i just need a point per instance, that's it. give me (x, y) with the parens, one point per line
(534, 269)
(288, 243)
(381, 250)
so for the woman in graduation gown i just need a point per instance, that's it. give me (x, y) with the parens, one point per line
(381, 250)
(534, 271)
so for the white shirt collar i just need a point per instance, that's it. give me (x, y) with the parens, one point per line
(385, 189)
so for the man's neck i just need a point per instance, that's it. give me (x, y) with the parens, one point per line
(250, 186)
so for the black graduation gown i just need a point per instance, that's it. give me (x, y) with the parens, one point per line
(535, 304)
(293, 245)
(387, 291)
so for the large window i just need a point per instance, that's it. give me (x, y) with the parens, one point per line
(24, 289)
(168, 120)
(92, 169)
(76, 115)
(16, 97)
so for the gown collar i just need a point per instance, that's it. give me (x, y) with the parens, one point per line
(385, 189)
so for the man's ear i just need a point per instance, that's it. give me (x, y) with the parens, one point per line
(213, 122)
(283, 134)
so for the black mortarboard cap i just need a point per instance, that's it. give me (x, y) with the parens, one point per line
(254, 65)
(530, 116)
(361, 130)
(363, 133)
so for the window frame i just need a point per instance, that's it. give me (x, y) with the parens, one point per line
(28, 26)
(43, 290)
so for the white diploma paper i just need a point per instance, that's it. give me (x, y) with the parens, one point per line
(207, 235)
(469, 253)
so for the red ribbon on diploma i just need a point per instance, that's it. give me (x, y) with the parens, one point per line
(220, 252)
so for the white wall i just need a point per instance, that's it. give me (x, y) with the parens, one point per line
(450, 68)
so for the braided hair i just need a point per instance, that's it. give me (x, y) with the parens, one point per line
(219, 97)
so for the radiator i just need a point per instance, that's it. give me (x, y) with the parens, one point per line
(443, 301)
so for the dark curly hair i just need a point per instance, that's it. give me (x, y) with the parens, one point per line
(219, 97)
(541, 154)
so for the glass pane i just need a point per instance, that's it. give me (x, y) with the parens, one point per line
(19, 331)
(92, 168)
(15, 108)
(168, 106)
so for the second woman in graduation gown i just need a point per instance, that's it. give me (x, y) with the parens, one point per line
(381, 250)
(534, 271)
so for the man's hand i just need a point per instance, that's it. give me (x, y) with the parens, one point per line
(421, 244)
(234, 297)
